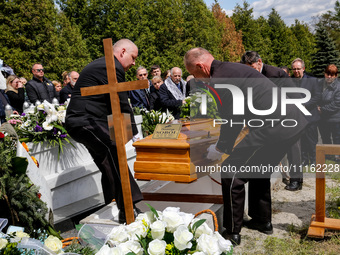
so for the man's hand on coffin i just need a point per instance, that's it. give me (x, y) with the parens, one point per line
(213, 153)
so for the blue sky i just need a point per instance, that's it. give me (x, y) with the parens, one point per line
(289, 10)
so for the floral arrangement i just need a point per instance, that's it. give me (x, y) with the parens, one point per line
(42, 123)
(168, 232)
(20, 242)
(193, 105)
(152, 118)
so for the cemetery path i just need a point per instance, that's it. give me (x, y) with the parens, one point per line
(289, 209)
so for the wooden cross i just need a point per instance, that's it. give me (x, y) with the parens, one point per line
(113, 87)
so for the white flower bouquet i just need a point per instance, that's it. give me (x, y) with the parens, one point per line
(168, 232)
(194, 104)
(152, 118)
(43, 123)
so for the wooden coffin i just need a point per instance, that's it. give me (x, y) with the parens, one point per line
(175, 159)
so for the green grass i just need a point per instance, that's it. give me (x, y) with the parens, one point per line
(299, 243)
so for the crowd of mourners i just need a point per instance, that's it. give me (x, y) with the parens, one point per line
(167, 92)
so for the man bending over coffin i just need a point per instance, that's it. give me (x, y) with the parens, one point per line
(265, 145)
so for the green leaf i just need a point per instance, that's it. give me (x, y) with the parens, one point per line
(20, 164)
(153, 210)
(197, 224)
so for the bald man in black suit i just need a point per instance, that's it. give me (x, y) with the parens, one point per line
(263, 146)
(86, 122)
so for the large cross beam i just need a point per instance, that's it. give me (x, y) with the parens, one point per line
(113, 87)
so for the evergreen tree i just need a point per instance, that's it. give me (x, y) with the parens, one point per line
(326, 51)
(255, 32)
(304, 41)
(282, 43)
(331, 22)
(33, 32)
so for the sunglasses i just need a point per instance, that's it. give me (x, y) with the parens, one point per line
(40, 70)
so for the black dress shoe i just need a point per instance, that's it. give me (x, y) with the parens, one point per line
(264, 227)
(234, 238)
(285, 181)
(294, 186)
(121, 214)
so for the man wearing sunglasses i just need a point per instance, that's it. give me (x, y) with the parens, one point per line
(40, 88)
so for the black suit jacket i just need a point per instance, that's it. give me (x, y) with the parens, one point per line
(87, 110)
(280, 78)
(311, 83)
(168, 101)
(245, 77)
(65, 93)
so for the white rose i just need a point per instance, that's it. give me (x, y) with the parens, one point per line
(203, 229)
(54, 244)
(118, 235)
(131, 246)
(198, 253)
(47, 126)
(208, 244)
(157, 247)
(223, 244)
(116, 251)
(148, 217)
(182, 238)
(187, 218)
(106, 250)
(21, 234)
(172, 220)
(3, 243)
(158, 229)
(135, 229)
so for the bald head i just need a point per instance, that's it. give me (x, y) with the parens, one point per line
(198, 61)
(176, 74)
(126, 52)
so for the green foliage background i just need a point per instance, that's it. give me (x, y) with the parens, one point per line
(67, 34)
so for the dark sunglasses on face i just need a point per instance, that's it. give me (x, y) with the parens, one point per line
(40, 70)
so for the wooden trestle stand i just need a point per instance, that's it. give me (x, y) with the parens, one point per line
(319, 221)
(112, 88)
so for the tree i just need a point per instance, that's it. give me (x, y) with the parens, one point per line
(163, 30)
(34, 32)
(304, 41)
(326, 51)
(231, 47)
(331, 22)
(255, 32)
(282, 41)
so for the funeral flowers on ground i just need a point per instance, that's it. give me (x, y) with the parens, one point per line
(167, 232)
(42, 123)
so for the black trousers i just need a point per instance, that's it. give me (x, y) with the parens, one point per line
(308, 143)
(97, 140)
(265, 159)
(294, 161)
